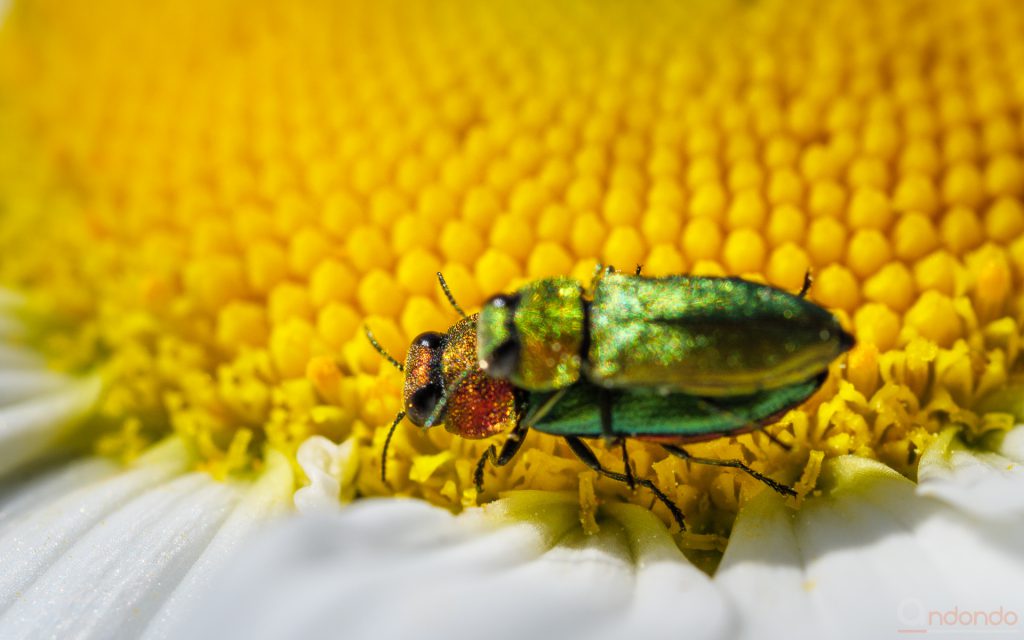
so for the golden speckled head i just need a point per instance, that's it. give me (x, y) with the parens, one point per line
(442, 374)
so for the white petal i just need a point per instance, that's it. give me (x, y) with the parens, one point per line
(29, 493)
(116, 575)
(268, 498)
(30, 428)
(91, 553)
(20, 384)
(395, 568)
(987, 484)
(328, 466)
(866, 560)
(38, 407)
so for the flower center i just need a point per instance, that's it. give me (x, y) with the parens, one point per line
(208, 212)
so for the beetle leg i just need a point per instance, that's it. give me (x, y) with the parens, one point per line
(638, 268)
(515, 439)
(605, 403)
(508, 451)
(630, 479)
(588, 458)
(680, 452)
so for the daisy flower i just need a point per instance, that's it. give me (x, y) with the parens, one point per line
(201, 207)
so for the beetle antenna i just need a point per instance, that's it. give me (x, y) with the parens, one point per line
(439, 408)
(808, 280)
(376, 345)
(387, 443)
(448, 294)
(598, 272)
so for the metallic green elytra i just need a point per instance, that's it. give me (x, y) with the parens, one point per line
(705, 336)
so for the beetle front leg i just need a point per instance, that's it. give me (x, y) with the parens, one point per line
(679, 452)
(508, 451)
(588, 458)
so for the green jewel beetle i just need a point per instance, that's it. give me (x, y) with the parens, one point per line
(536, 360)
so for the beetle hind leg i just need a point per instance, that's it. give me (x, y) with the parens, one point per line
(627, 465)
(588, 458)
(679, 452)
(608, 433)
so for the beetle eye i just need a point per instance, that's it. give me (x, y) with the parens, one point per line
(422, 402)
(428, 339)
(502, 362)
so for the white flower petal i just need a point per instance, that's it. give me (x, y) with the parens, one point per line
(394, 568)
(92, 553)
(37, 406)
(116, 575)
(325, 464)
(30, 427)
(20, 384)
(867, 560)
(37, 535)
(669, 593)
(987, 484)
(268, 498)
(1012, 445)
(28, 494)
